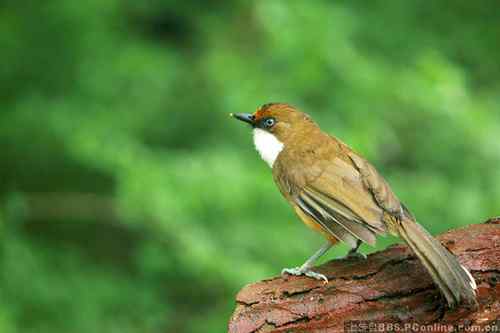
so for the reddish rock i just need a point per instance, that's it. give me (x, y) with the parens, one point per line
(391, 287)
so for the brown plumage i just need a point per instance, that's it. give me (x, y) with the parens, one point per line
(335, 191)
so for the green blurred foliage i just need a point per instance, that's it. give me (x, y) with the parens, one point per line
(132, 203)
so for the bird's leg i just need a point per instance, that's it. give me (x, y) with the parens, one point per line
(353, 253)
(305, 269)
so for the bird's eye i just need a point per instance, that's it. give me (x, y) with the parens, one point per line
(269, 122)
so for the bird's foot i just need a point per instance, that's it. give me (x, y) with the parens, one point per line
(297, 271)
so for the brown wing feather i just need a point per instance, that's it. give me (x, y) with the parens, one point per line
(342, 189)
(325, 220)
(335, 191)
(379, 188)
(336, 213)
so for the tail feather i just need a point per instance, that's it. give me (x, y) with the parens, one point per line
(455, 281)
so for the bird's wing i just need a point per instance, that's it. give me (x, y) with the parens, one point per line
(332, 218)
(291, 181)
(342, 192)
(338, 196)
(378, 187)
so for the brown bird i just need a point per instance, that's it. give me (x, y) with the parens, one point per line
(335, 191)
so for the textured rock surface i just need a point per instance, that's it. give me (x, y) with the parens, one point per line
(389, 287)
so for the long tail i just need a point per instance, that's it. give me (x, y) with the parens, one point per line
(454, 280)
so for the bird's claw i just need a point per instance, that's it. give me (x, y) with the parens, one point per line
(297, 271)
(317, 276)
(291, 271)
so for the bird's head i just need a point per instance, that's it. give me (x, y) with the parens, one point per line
(276, 125)
(280, 119)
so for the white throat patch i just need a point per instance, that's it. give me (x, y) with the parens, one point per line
(267, 145)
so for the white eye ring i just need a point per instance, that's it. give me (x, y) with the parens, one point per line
(269, 122)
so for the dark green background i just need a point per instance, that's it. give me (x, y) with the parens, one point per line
(131, 202)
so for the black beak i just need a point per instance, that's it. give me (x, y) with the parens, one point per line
(246, 117)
